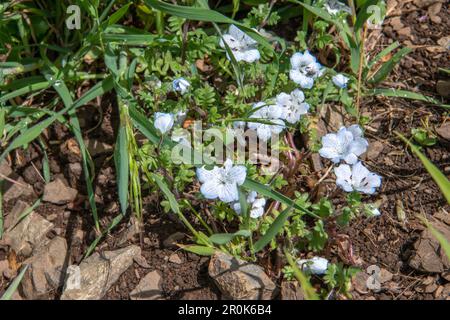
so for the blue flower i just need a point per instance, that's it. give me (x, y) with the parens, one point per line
(181, 85)
(305, 69)
(340, 81)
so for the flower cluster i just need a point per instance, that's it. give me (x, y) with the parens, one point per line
(305, 69)
(244, 48)
(222, 183)
(347, 145)
(257, 205)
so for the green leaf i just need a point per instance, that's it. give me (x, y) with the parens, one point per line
(122, 166)
(273, 230)
(364, 14)
(387, 67)
(440, 179)
(168, 194)
(224, 238)
(200, 250)
(396, 93)
(275, 195)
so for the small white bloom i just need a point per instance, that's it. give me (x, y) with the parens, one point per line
(305, 69)
(340, 81)
(163, 121)
(181, 85)
(357, 178)
(315, 265)
(335, 6)
(267, 113)
(372, 210)
(244, 48)
(257, 205)
(222, 182)
(293, 105)
(347, 144)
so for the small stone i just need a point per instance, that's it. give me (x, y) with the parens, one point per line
(405, 32)
(359, 282)
(4, 265)
(149, 287)
(433, 11)
(444, 131)
(174, 258)
(12, 218)
(96, 274)
(142, 262)
(171, 241)
(428, 255)
(46, 270)
(240, 280)
(58, 193)
(396, 23)
(385, 276)
(12, 191)
(375, 149)
(291, 290)
(29, 234)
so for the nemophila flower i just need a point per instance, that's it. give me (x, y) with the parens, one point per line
(335, 6)
(163, 121)
(222, 182)
(257, 205)
(347, 144)
(244, 48)
(357, 178)
(271, 116)
(340, 81)
(305, 69)
(181, 85)
(293, 105)
(315, 265)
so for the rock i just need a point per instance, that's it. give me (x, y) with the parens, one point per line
(171, 241)
(5, 169)
(46, 270)
(425, 3)
(444, 131)
(96, 274)
(332, 118)
(13, 217)
(433, 11)
(446, 276)
(359, 282)
(28, 234)
(445, 44)
(12, 191)
(58, 193)
(174, 258)
(4, 265)
(149, 288)
(374, 150)
(385, 276)
(142, 262)
(96, 147)
(240, 280)
(291, 290)
(428, 256)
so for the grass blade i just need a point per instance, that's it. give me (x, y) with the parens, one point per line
(440, 179)
(308, 290)
(274, 229)
(396, 93)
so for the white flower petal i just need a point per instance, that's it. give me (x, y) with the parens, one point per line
(238, 174)
(228, 193)
(211, 189)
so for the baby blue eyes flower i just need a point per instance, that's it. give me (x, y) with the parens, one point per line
(357, 178)
(334, 7)
(294, 106)
(181, 85)
(305, 69)
(244, 48)
(316, 265)
(271, 114)
(347, 144)
(340, 81)
(222, 183)
(257, 205)
(163, 121)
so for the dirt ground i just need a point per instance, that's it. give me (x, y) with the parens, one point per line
(386, 241)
